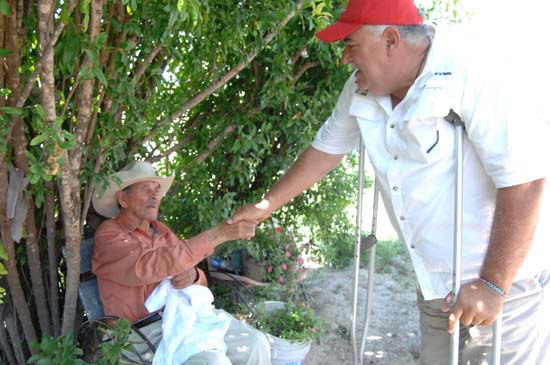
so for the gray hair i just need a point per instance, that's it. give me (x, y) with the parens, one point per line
(412, 34)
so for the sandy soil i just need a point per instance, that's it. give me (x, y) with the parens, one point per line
(393, 331)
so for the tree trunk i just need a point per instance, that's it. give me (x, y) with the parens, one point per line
(33, 251)
(13, 331)
(4, 342)
(47, 98)
(14, 284)
(13, 62)
(70, 183)
(52, 257)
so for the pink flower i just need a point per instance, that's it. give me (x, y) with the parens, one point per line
(290, 235)
(302, 275)
(279, 229)
(300, 260)
(269, 269)
(288, 254)
(284, 266)
(281, 279)
(287, 246)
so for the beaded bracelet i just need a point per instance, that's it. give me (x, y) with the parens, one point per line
(493, 287)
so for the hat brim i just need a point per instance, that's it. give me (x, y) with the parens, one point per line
(337, 31)
(106, 203)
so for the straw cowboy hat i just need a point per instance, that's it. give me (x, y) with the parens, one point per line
(105, 202)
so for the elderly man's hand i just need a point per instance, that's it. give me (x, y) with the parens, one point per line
(477, 305)
(228, 232)
(186, 278)
(240, 230)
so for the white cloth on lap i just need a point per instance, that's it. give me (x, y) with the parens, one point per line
(190, 324)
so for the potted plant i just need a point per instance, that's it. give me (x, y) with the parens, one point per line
(290, 327)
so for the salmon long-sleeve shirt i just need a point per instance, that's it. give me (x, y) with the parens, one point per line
(129, 263)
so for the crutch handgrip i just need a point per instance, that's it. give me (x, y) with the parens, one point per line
(368, 242)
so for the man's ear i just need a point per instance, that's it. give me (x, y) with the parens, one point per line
(121, 198)
(392, 38)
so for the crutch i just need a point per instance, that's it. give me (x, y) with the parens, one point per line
(458, 124)
(370, 243)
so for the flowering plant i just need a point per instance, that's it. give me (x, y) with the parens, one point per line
(282, 253)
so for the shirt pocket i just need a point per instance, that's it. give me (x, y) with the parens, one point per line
(425, 136)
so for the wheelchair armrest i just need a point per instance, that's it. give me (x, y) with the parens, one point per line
(147, 320)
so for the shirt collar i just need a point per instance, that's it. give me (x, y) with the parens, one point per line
(128, 226)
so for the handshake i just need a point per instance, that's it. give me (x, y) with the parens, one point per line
(243, 224)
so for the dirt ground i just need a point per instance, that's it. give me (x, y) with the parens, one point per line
(393, 331)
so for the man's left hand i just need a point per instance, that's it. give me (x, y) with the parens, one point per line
(477, 305)
(185, 279)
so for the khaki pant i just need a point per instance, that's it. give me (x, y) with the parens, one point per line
(245, 346)
(525, 329)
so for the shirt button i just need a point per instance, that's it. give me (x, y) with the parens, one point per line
(412, 246)
(402, 217)
(392, 126)
(395, 157)
(395, 188)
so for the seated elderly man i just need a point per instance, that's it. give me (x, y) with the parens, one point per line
(134, 252)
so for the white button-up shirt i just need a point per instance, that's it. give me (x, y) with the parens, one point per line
(411, 148)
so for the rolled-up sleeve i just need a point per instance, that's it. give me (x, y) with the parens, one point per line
(507, 128)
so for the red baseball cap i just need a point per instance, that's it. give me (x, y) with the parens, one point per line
(372, 12)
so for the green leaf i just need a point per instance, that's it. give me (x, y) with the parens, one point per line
(4, 52)
(99, 75)
(99, 41)
(92, 55)
(46, 362)
(71, 47)
(85, 73)
(47, 345)
(58, 122)
(3, 254)
(12, 111)
(41, 112)
(38, 139)
(127, 45)
(4, 8)
(66, 140)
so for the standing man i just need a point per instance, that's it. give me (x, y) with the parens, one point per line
(134, 252)
(409, 76)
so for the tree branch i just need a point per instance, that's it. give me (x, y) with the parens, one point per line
(146, 63)
(30, 82)
(215, 143)
(303, 70)
(235, 70)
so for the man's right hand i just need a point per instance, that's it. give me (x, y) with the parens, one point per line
(228, 232)
(186, 278)
(255, 212)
